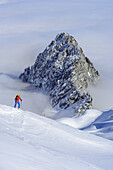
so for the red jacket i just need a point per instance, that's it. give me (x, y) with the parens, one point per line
(17, 98)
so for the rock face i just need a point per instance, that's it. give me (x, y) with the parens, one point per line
(64, 72)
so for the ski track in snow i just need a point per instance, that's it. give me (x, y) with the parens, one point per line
(33, 142)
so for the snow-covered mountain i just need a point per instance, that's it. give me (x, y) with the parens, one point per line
(30, 142)
(64, 72)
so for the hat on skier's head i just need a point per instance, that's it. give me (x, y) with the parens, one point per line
(18, 95)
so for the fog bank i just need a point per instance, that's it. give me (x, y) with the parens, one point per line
(27, 27)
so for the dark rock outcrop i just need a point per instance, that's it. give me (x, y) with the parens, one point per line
(64, 72)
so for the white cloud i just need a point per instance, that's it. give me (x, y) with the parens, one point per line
(9, 1)
(3, 1)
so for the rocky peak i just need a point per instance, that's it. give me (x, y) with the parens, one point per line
(64, 72)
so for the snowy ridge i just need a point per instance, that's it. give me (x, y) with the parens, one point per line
(103, 125)
(94, 121)
(31, 142)
(82, 121)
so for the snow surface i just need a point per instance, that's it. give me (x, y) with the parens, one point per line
(103, 125)
(82, 121)
(94, 121)
(30, 142)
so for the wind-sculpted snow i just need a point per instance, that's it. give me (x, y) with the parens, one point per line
(82, 121)
(31, 142)
(64, 72)
(94, 121)
(103, 125)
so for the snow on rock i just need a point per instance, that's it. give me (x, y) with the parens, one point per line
(30, 142)
(63, 72)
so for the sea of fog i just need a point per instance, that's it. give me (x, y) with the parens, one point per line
(27, 27)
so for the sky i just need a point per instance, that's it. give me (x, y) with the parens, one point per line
(27, 27)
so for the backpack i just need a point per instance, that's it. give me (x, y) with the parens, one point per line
(16, 98)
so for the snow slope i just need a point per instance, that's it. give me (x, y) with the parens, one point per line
(94, 121)
(103, 125)
(81, 121)
(31, 142)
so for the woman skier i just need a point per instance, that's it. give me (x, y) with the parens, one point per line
(17, 101)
